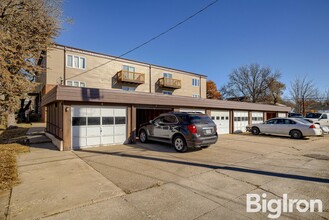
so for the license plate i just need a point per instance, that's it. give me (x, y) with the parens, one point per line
(208, 131)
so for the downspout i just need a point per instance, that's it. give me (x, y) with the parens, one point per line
(200, 87)
(64, 73)
(150, 79)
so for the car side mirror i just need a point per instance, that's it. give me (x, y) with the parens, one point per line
(151, 121)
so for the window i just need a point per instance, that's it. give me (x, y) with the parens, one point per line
(94, 120)
(273, 121)
(75, 83)
(165, 92)
(128, 68)
(69, 61)
(128, 88)
(167, 75)
(107, 121)
(196, 96)
(169, 119)
(75, 62)
(120, 120)
(324, 116)
(78, 121)
(195, 82)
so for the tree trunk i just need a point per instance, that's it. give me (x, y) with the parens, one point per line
(11, 121)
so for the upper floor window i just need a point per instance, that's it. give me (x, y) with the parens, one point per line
(196, 96)
(165, 92)
(128, 88)
(75, 83)
(75, 61)
(167, 75)
(128, 68)
(195, 82)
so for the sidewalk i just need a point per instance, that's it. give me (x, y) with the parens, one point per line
(54, 181)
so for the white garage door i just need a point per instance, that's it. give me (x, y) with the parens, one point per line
(94, 126)
(282, 115)
(257, 117)
(240, 121)
(192, 110)
(222, 121)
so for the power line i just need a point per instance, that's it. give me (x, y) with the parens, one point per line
(153, 38)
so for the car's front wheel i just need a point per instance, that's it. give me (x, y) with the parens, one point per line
(255, 130)
(142, 136)
(179, 144)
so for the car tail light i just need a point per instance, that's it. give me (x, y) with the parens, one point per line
(312, 126)
(192, 129)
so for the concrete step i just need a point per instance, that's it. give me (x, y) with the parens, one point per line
(38, 139)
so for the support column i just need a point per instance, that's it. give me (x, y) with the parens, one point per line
(133, 131)
(231, 122)
(264, 116)
(208, 112)
(67, 128)
(249, 117)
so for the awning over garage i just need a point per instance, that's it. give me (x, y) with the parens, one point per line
(93, 95)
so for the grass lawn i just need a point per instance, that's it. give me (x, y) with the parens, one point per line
(8, 154)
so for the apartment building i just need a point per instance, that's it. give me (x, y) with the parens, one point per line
(91, 99)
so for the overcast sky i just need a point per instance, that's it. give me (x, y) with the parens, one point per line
(291, 36)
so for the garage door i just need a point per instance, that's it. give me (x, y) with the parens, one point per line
(282, 115)
(94, 126)
(222, 121)
(192, 110)
(240, 121)
(257, 117)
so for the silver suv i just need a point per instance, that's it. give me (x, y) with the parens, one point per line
(181, 129)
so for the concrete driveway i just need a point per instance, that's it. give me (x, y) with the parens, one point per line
(153, 181)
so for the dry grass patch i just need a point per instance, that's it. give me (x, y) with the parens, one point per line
(13, 135)
(8, 164)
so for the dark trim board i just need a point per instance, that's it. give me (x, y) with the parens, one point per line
(111, 96)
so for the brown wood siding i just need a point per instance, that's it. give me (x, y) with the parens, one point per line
(55, 119)
(91, 95)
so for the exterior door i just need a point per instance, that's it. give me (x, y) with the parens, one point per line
(222, 121)
(95, 126)
(257, 117)
(282, 115)
(240, 121)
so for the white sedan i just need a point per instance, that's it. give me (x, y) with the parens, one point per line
(295, 127)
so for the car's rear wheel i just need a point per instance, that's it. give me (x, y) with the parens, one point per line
(255, 130)
(142, 136)
(179, 144)
(295, 134)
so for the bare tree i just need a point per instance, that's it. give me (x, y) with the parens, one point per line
(27, 27)
(253, 82)
(302, 92)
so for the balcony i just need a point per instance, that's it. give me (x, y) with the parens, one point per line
(130, 77)
(170, 83)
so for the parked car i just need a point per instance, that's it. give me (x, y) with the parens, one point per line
(181, 129)
(294, 115)
(319, 118)
(294, 127)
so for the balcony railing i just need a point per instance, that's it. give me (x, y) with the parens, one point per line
(170, 83)
(131, 77)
